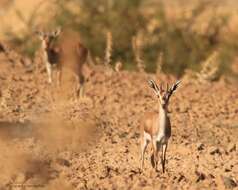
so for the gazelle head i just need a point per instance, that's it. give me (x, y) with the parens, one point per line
(162, 94)
(47, 38)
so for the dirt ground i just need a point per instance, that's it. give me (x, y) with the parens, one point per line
(50, 141)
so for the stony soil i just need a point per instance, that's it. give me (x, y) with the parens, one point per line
(50, 141)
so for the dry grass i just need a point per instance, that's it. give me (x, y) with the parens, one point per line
(108, 50)
(210, 68)
(159, 63)
(137, 44)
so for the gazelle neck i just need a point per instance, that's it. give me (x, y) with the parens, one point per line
(163, 110)
(45, 53)
(162, 118)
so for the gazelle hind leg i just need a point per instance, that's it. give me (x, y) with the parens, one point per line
(77, 91)
(79, 87)
(144, 144)
(59, 77)
(163, 156)
(81, 91)
(155, 150)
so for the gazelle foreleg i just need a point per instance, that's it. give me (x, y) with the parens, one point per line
(155, 153)
(59, 76)
(163, 156)
(79, 91)
(49, 71)
(81, 86)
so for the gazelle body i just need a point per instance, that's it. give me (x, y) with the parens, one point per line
(58, 52)
(156, 127)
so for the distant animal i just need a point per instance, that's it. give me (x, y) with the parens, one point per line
(57, 52)
(156, 127)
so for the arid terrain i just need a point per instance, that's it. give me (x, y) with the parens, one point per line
(50, 141)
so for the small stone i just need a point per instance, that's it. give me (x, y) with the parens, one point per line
(200, 176)
(231, 147)
(211, 176)
(229, 183)
(63, 162)
(214, 150)
(181, 178)
(227, 170)
(200, 146)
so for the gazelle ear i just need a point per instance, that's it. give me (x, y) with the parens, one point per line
(39, 33)
(56, 32)
(154, 86)
(173, 88)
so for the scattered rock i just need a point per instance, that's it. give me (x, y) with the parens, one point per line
(113, 161)
(227, 170)
(200, 176)
(229, 182)
(183, 107)
(200, 146)
(214, 150)
(63, 162)
(211, 176)
(181, 178)
(231, 147)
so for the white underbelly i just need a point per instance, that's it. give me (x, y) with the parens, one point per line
(147, 136)
(159, 138)
(162, 139)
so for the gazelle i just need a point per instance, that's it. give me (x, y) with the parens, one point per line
(58, 53)
(156, 127)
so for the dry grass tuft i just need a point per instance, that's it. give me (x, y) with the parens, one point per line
(108, 50)
(159, 63)
(210, 68)
(137, 44)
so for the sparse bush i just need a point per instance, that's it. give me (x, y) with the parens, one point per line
(210, 68)
(24, 40)
(180, 40)
(94, 18)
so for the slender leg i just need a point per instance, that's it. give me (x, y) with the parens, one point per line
(158, 146)
(77, 92)
(163, 156)
(144, 144)
(155, 153)
(81, 90)
(59, 76)
(79, 87)
(49, 72)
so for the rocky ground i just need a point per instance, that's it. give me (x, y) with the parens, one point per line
(50, 141)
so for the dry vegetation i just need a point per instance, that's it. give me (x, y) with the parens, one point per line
(50, 141)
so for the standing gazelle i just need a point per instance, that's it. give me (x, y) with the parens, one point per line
(156, 127)
(61, 51)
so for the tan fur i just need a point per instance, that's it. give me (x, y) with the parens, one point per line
(66, 51)
(149, 119)
(149, 122)
(156, 127)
